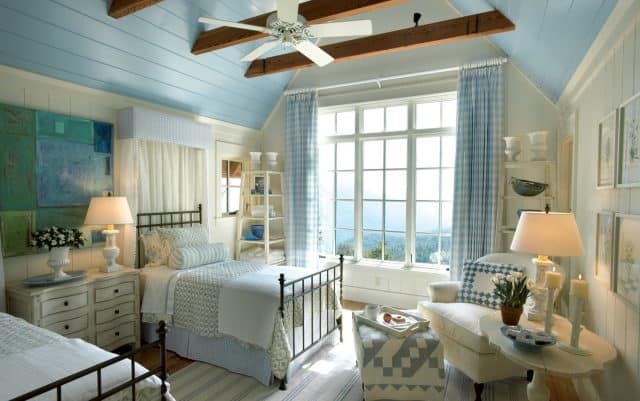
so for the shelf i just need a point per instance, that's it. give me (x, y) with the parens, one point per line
(262, 218)
(262, 195)
(261, 242)
(541, 163)
(262, 172)
(537, 197)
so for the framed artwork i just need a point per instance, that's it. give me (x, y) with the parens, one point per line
(604, 247)
(606, 151)
(627, 258)
(629, 143)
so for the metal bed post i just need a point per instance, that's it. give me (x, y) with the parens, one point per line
(162, 334)
(283, 382)
(340, 318)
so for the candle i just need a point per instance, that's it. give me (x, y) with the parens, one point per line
(553, 279)
(579, 288)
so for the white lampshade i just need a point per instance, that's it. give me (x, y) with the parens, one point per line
(549, 234)
(108, 210)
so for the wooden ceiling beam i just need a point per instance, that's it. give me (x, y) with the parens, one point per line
(426, 35)
(122, 8)
(314, 11)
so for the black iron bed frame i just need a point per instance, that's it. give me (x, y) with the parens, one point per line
(329, 278)
(131, 383)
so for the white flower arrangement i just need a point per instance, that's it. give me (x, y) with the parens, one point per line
(53, 237)
(512, 289)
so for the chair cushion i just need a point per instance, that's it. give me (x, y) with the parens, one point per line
(476, 285)
(460, 322)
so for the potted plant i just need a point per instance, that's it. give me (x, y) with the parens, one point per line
(57, 240)
(513, 290)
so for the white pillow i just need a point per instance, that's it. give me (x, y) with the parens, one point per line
(197, 255)
(155, 249)
(181, 237)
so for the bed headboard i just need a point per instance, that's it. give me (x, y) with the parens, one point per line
(146, 222)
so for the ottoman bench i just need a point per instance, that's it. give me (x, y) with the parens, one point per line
(403, 369)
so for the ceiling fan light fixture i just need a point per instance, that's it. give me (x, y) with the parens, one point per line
(289, 33)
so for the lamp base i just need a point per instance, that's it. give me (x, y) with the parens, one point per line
(574, 350)
(110, 252)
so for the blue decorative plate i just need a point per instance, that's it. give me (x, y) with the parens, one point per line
(47, 279)
(527, 340)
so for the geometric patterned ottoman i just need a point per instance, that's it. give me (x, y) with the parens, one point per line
(392, 368)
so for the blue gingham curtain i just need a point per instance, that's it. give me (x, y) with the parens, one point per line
(301, 179)
(479, 132)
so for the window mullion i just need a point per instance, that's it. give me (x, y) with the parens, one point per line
(357, 239)
(410, 244)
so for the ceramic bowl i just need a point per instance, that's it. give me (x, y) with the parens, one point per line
(526, 187)
(527, 340)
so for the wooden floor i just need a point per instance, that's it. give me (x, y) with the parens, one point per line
(561, 388)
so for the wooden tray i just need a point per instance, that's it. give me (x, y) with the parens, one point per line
(413, 322)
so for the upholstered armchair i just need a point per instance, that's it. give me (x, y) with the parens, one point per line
(458, 325)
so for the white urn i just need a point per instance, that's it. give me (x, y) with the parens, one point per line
(513, 147)
(58, 259)
(538, 142)
(255, 160)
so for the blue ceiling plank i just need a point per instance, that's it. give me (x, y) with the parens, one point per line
(74, 44)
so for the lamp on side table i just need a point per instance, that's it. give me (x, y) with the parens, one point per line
(546, 234)
(109, 210)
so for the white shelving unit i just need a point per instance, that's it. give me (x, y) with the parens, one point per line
(261, 202)
(510, 202)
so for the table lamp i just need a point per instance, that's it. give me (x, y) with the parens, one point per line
(546, 234)
(109, 210)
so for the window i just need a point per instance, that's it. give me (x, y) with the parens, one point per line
(230, 187)
(386, 180)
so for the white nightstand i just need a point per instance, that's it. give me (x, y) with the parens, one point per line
(102, 308)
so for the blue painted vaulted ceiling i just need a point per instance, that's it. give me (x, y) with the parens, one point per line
(147, 55)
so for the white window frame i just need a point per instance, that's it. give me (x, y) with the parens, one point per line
(226, 185)
(411, 134)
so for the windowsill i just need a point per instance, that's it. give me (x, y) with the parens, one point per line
(435, 270)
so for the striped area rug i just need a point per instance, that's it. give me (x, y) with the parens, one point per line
(330, 376)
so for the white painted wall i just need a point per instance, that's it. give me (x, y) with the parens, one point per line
(526, 110)
(609, 74)
(42, 93)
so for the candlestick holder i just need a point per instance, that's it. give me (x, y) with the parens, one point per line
(576, 328)
(548, 319)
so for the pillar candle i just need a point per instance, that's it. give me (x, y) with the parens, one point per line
(579, 288)
(553, 279)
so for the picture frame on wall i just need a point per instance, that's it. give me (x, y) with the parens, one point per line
(628, 146)
(604, 247)
(627, 258)
(607, 151)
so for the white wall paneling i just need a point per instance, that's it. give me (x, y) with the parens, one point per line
(608, 76)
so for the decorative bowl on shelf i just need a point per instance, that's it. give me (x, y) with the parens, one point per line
(257, 230)
(527, 340)
(526, 187)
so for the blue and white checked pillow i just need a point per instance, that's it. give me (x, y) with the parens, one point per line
(477, 287)
(197, 255)
(179, 237)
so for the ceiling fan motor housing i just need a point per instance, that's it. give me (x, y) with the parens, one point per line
(289, 33)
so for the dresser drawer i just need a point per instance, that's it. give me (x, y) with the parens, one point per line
(69, 326)
(114, 312)
(64, 304)
(122, 331)
(117, 290)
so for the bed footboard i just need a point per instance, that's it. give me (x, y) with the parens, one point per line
(319, 325)
(161, 371)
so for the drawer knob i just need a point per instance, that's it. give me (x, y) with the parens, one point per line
(116, 291)
(66, 303)
(117, 333)
(116, 311)
(66, 327)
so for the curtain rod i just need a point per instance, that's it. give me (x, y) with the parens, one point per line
(378, 81)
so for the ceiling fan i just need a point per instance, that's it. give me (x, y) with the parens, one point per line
(290, 29)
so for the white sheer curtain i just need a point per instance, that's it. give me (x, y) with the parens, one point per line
(160, 177)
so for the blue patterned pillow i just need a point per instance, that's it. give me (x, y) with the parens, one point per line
(197, 255)
(477, 287)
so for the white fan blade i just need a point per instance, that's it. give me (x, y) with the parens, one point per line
(347, 28)
(214, 21)
(260, 50)
(314, 53)
(287, 10)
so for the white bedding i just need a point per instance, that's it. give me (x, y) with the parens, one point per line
(44, 357)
